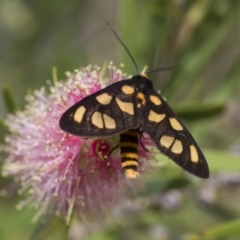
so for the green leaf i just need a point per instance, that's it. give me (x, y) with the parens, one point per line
(9, 100)
(197, 59)
(3, 125)
(197, 111)
(3, 130)
(223, 230)
(222, 160)
(220, 231)
(217, 160)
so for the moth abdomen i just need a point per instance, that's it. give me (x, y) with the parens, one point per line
(129, 152)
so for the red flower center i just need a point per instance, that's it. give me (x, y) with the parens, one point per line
(100, 149)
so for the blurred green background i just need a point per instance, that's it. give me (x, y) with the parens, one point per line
(203, 38)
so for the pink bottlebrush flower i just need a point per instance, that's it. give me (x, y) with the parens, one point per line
(59, 172)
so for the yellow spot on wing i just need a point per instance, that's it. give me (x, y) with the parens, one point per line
(109, 122)
(131, 173)
(156, 100)
(78, 115)
(125, 106)
(97, 119)
(155, 117)
(175, 124)
(127, 89)
(104, 98)
(177, 147)
(193, 154)
(166, 141)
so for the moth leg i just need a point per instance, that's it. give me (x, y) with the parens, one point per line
(114, 148)
(142, 145)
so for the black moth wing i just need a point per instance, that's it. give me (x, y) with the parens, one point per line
(171, 136)
(99, 114)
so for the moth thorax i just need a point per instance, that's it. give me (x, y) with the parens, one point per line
(141, 99)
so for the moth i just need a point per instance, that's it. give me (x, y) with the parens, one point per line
(129, 107)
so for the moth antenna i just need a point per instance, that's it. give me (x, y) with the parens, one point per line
(162, 69)
(143, 72)
(124, 46)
